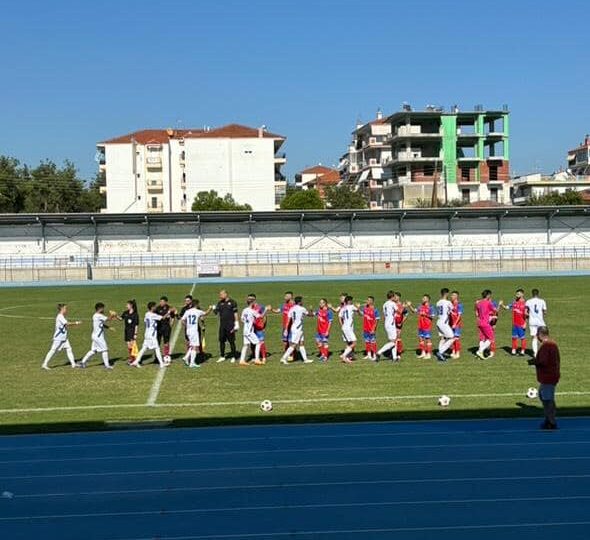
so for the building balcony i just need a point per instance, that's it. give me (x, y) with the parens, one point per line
(414, 157)
(153, 162)
(404, 133)
(495, 135)
(155, 186)
(280, 159)
(158, 208)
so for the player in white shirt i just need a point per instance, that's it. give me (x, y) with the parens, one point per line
(444, 308)
(389, 311)
(150, 337)
(346, 317)
(296, 341)
(99, 342)
(191, 321)
(536, 308)
(249, 316)
(60, 337)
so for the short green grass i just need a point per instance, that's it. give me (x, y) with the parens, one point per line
(222, 393)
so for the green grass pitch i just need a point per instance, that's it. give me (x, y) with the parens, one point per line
(220, 393)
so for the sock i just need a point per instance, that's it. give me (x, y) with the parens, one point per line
(70, 355)
(523, 345)
(535, 345)
(483, 345)
(159, 357)
(457, 345)
(129, 355)
(444, 345)
(48, 357)
(347, 351)
(105, 359)
(374, 348)
(514, 343)
(257, 351)
(303, 353)
(139, 355)
(263, 350)
(367, 348)
(389, 345)
(493, 346)
(87, 356)
(429, 348)
(192, 356)
(288, 352)
(244, 353)
(421, 346)
(400, 346)
(166, 349)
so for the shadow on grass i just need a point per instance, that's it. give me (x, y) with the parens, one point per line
(521, 410)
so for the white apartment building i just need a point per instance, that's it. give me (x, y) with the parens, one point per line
(528, 186)
(158, 170)
(363, 164)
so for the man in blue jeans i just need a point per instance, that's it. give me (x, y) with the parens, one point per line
(547, 364)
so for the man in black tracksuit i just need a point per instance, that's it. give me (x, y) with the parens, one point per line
(227, 310)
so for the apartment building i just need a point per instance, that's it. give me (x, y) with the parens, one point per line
(362, 166)
(458, 155)
(162, 170)
(578, 159)
(317, 177)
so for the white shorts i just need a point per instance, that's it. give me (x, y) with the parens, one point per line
(445, 330)
(348, 335)
(251, 339)
(61, 345)
(391, 332)
(150, 345)
(194, 339)
(99, 345)
(534, 329)
(296, 337)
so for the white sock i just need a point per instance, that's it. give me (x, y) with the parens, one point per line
(535, 346)
(444, 345)
(70, 355)
(303, 353)
(192, 355)
(257, 351)
(386, 347)
(288, 353)
(48, 357)
(347, 351)
(139, 355)
(87, 356)
(105, 359)
(244, 353)
(159, 357)
(483, 345)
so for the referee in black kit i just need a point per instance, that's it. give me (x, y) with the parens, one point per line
(227, 309)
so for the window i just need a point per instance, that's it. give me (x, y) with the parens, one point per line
(494, 194)
(465, 174)
(154, 202)
(493, 173)
(428, 170)
(466, 195)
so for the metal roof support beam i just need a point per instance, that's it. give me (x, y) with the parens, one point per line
(400, 230)
(549, 226)
(43, 237)
(350, 231)
(450, 229)
(250, 237)
(301, 230)
(499, 231)
(95, 239)
(148, 234)
(199, 233)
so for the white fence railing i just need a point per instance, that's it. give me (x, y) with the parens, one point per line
(298, 257)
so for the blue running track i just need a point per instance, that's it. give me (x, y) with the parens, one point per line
(440, 480)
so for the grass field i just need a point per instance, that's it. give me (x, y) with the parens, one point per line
(34, 399)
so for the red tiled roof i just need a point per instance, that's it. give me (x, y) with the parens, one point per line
(162, 136)
(484, 204)
(329, 179)
(317, 169)
(585, 194)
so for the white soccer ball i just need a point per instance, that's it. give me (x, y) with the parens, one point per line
(444, 401)
(266, 405)
(532, 393)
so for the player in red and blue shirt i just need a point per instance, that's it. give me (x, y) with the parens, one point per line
(259, 326)
(426, 313)
(371, 318)
(456, 323)
(401, 314)
(324, 317)
(519, 319)
(284, 310)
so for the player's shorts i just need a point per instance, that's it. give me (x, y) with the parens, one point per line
(130, 334)
(99, 345)
(370, 337)
(457, 331)
(322, 338)
(61, 345)
(424, 334)
(296, 337)
(391, 332)
(534, 329)
(164, 334)
(260, 335)
(486, 332)
(348, 335)
(251, 339)
(150, 344)
(445, 330)
(547, 392)
(518, 332)
(286, 337)
(194, 339)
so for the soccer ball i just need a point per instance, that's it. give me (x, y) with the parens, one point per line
(167, 360)
(266, 406)
(532, 393)
(444, 401)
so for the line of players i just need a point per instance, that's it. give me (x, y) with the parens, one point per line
(448, 312)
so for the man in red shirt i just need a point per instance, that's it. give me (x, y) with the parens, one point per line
(284, 310)
(547, 363)
(519, 317)
(324, 324)
(370, 320)
(426, 313)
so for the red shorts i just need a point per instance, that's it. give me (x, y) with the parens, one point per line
(486, 333)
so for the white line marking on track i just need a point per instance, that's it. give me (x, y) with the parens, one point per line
(160, 511)
(308, 401)
(155, 390)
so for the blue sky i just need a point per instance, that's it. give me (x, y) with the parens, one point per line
(76, 72)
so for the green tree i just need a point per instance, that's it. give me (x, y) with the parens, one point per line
(298, 199)
(12, 185)
(210, 201)
(569, 198)
(343, 197)
(92, 199)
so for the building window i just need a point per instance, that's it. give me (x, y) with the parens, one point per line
(182, 155)
(493, 173)
(465, 174)
(466, 195)
(428, 170)
(154, 202)
(494, 194)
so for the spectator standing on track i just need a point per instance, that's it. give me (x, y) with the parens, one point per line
(227, 310)
(547, 364)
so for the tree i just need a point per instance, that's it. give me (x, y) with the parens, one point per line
(92, 199)
(11, 185)
(298, 199)
(343, 197)
(210, 201)
(569, 198)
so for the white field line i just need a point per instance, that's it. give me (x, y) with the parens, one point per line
(309, 401)
(155, 390)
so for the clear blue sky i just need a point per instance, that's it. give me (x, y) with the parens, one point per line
(76, 72)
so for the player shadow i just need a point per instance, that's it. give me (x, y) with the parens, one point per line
(527, 406)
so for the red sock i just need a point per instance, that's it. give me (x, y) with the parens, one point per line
(457, 345)
(263, 350)
(374, 348)
(399, 346)
(326, 351)
(523, 345)
(429, 348)
(421, 346)
(493, 346)
(166, 349)
(514, 343)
